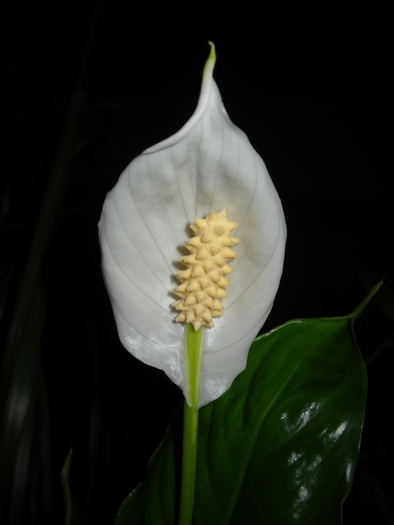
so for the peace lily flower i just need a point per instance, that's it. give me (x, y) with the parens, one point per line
(206, 167)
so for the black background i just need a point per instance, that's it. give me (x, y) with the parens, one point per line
(312, 89)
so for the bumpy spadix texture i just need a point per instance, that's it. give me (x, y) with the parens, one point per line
(204, 281)
(208, 166)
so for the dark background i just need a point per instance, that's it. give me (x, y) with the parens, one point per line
(312, 88)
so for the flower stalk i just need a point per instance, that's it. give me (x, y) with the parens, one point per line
(193, 340)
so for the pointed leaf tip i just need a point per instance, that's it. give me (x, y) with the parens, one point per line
(359, 309)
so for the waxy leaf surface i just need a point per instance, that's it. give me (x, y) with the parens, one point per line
(281, 445)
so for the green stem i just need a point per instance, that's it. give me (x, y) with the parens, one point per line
(190, 424)
(189, 457)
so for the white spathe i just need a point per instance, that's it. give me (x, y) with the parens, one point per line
(209, 165)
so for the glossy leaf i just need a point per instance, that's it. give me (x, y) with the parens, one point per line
(209, 165)
(282, 444)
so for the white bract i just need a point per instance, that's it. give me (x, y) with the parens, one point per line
(209, 165)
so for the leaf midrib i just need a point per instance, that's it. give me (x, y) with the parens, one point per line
(246, 462)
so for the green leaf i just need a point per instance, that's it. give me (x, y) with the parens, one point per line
(385, 297)
(281, 445)
(160, 486)
(23, 406)
(73, 515)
